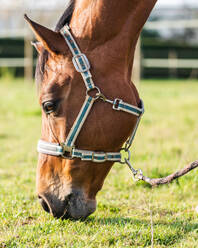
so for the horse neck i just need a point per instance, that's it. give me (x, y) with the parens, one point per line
(102, 20)
(110, 25)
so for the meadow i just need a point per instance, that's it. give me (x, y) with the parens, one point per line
(129, 214)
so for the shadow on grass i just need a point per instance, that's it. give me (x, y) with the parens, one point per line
(173, 232)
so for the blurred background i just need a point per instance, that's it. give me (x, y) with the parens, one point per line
(168, 47)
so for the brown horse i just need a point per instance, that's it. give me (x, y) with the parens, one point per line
(107, 32)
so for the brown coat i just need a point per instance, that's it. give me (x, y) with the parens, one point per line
(107, 32)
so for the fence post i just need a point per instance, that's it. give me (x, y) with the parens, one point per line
(136, 73)
(173, 63)
(28, 58)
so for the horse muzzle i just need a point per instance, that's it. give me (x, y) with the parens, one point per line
(74, 206)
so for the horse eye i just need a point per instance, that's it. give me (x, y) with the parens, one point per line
(49, 107)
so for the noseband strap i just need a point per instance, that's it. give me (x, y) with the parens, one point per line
(58, 150)
(67, 149)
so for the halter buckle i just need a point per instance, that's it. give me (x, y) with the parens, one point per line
(67, 151)
(81, 63)
(116, 103)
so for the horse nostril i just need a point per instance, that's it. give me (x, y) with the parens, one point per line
(69, 197)
(44, 204)
(57, 208)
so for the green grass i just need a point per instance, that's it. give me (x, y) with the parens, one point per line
(166, 141)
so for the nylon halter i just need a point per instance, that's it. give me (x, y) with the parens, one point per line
(68, 149)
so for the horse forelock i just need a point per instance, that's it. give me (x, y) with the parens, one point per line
(43, 57)
(40, 67)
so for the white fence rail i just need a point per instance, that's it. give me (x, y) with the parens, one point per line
(176, 63)
(19, 62)
(171, 63)
(176, 24)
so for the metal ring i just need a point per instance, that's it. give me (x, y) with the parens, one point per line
(67, 151)
(124, 161)
(97, 95)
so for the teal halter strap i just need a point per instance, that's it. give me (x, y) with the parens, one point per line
(67, 149)
(82, 116)
(79, 59)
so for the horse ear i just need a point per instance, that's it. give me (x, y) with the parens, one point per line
(38, 45)
(52, 41)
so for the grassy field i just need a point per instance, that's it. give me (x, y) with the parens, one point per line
(128, 213)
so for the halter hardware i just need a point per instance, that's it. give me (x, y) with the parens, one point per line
(67, 149)
(116, 103)
(124, 159)
(81, 63)
(97, 93)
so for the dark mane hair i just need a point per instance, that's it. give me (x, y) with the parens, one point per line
(65, 18)
(67, 15)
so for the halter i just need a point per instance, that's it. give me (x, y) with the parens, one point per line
(67, 149)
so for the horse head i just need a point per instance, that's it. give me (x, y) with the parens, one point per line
(66, 185)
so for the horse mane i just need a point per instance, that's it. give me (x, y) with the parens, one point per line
(65, 18)
(67, 15)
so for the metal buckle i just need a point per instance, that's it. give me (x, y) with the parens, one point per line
(97, 93)
(79, 66)
(98, 153)
(67, 151)
(116, 103)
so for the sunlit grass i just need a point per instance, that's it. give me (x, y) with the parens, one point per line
(166, 141)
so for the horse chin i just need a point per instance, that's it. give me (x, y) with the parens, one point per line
(75, 206)
(79, 208)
